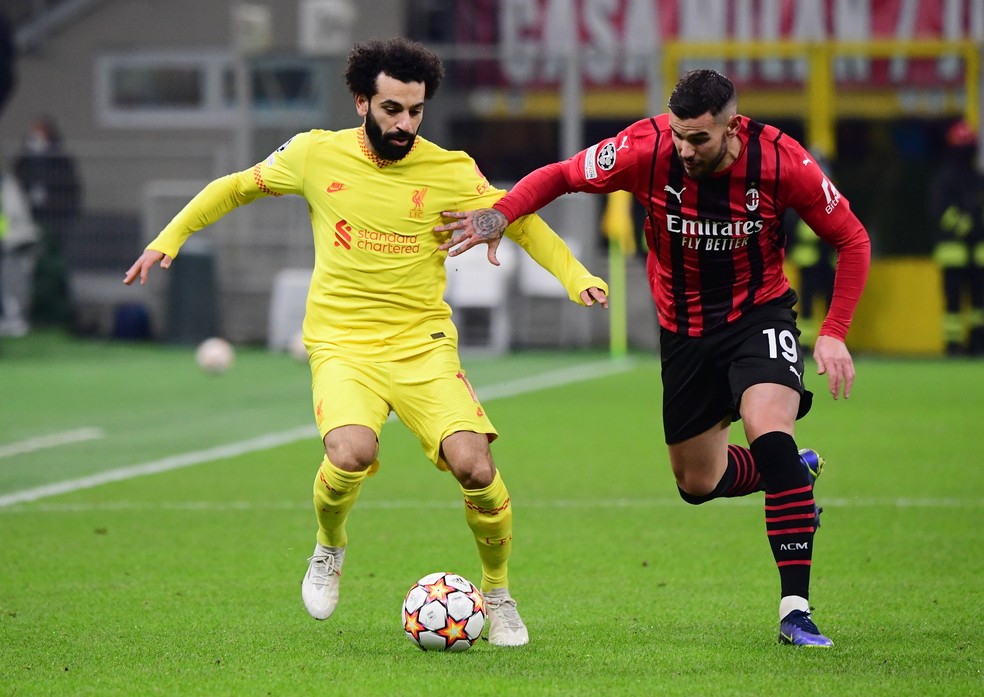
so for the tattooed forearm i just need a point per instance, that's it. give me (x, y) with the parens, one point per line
(489, 223)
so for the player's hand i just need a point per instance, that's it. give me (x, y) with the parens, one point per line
(594, 295)
(485, 225)
(835, 360)
(141, 267)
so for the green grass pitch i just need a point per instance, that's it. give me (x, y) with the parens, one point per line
(187, 581)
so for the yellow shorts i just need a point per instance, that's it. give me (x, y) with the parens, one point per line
(429, 393)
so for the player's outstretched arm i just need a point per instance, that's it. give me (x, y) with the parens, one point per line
(141, 267)
(485, 225)
(211, 203)
(834, 360)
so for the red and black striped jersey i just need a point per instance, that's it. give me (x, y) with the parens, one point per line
(716, 244)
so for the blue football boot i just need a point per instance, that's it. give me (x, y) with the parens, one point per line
(798, 629)
(813, 464)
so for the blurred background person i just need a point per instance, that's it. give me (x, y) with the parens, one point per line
(18, 254)
(8, 323)
(957, 207)
(48, 175)
(815, 261)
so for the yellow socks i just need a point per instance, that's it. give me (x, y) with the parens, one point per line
(489, 515)
(487, 512)
(335, 492)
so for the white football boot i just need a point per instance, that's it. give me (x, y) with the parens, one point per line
(506, 627)
(320, 586)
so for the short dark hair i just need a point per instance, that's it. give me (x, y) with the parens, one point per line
(699, 92)
(402, 59)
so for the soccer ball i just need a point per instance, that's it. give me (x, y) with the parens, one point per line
(444, 612)
(215, 355)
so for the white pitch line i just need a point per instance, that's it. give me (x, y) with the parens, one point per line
(452, 503)
(271, 440)
(564, 376)
(555, 378)
(52, 440)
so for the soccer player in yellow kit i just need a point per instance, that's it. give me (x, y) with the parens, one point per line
(378, 332)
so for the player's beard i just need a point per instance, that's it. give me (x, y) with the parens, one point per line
(383, 145)
(705, 169)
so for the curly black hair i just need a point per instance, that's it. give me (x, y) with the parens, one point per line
(400, 58)
(699, 92)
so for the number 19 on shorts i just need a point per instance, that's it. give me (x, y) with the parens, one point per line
(785, 341)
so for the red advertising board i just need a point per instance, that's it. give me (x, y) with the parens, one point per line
(529, 40)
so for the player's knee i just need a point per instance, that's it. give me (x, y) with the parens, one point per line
(693, 499)
(349, 461)
(477, 474)
(469, 459)
(695, 487)
(350, 454)
(474, 470)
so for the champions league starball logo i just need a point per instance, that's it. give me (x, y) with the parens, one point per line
(606, 156)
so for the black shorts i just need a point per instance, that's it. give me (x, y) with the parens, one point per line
(704, 377)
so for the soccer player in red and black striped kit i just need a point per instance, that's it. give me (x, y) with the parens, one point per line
(715, 185)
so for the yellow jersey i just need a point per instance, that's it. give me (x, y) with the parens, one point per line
(377, 290)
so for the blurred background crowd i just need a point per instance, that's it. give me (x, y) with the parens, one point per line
(113, 113)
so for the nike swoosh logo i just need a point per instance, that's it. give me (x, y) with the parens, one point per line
(787, 637)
